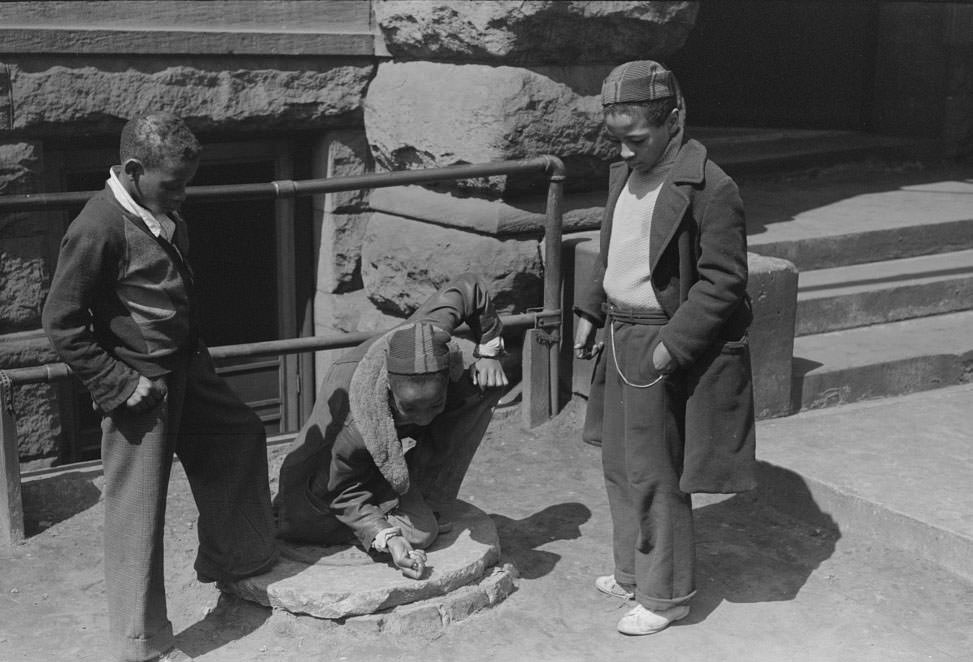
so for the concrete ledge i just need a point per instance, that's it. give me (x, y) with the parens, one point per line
(343, 581)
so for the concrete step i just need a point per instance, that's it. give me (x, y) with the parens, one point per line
(853, 214)
(878, 292)
(881, 360)
(749, 150)
(898, 470)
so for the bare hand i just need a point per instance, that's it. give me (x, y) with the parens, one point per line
(147, 395)
(662, 360)
(412, 562)
(488, 373)
(584, 339)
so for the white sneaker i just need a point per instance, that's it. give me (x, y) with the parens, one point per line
(640, 620)
(608, 585)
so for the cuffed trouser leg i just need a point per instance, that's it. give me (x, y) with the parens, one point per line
(223, 448)
(642, 451)
(136, 455)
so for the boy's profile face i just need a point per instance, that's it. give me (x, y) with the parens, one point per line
(161, 189)
(641, 143)
(418, 401)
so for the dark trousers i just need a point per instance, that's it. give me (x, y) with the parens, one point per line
(223, 449)
(642, 454)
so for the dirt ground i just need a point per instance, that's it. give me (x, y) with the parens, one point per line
(769, 587)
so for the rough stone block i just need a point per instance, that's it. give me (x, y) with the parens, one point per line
(36, 407)
(211, 93)
(338, 582)
(20, 165)
(772, 287)
(535, 31)
(484, 113)
(405, 261)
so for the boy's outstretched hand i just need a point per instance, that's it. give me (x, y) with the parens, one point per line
(412, 562)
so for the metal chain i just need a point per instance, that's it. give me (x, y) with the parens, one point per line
(611, 338)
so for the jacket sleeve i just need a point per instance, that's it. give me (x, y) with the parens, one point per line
(464, 299)
(354, 503)
(589, 304)
(721, 282)
(86, 269)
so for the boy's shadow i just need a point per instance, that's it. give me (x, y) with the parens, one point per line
(748, 551)
(231, 619)
(519, 539)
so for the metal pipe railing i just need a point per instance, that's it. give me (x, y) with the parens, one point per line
(547, 320)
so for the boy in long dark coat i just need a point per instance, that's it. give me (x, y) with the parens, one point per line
(672, 394)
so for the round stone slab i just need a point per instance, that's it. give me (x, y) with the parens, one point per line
(341, 581)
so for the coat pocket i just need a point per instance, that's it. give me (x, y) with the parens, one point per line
(720, 435)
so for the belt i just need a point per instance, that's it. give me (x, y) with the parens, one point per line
(635, 316)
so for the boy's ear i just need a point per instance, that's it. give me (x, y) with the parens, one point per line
(673, 121)
(133, 168)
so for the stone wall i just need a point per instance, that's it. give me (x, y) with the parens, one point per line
(401, 85)
(479, 82)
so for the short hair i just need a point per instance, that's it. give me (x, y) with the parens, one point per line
(655, 112)
(158, 139)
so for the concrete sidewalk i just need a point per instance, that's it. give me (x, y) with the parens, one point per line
(771, 587)
(898, 469)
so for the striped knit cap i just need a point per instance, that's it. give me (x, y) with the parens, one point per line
(637, 81)
(418, 349)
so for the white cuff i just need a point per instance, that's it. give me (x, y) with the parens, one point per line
(381, 542)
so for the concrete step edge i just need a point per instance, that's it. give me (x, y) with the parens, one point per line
(813, 253)
(835, 309)
(809, 498)
(894, 358)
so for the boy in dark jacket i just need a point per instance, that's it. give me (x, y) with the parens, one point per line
(671, 393)
(393, 431)
(122, 314)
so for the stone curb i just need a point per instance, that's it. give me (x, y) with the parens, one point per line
(430, 616)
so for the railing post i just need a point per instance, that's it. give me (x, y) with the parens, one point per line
(11, 506)
(541, 374)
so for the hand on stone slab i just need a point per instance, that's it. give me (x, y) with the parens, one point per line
(412, 562)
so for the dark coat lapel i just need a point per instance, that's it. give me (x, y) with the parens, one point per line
(617, 178)
(673, 199)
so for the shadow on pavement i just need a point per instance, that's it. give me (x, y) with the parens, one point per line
(233, 618)
(519, 539)
(52, 499)
(748, 550)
